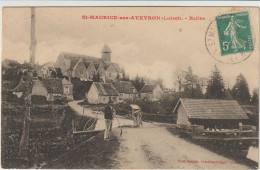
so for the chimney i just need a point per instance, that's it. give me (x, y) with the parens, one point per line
(33, 39)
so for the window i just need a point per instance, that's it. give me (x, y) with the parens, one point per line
(81, 72)
(104, 99)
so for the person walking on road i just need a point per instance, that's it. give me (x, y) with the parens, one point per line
(109, 111)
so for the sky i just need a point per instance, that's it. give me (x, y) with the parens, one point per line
(151, 48)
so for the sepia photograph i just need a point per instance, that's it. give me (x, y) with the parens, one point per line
(130, 88)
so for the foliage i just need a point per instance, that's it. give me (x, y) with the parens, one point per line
(240, 90)
(138, 82)
(14, 71)
(255, 97)
(215, 87)
(191, 86)
(80, 88)
(96, 77)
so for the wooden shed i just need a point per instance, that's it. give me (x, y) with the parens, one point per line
(211, 113)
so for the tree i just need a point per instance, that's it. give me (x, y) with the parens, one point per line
(179, 75)
(59, 73)
(53, 74)
(240, 90)
(191, 84)
(215, 87)
(138, 82)
(255, 97)
(96, 77)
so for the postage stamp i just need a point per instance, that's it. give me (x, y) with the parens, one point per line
(229, 38)
(234, 32)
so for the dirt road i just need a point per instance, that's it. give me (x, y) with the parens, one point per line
(152, 146)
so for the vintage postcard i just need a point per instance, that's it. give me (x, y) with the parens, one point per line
(130, 87)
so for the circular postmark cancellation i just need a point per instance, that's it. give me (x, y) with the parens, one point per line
(229, 37)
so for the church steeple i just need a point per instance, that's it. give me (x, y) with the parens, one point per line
(106, 54)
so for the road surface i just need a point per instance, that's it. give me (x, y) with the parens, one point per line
(80, 110)
(152, 146)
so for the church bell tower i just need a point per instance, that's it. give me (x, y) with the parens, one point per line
(106, 54)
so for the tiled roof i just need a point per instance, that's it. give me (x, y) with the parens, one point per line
(124, 87)
(212, 109)
(66, 82)
(106, 89)
(24, 86)
(117, 68)
(148, 88)
(73, 62)
(53, 85)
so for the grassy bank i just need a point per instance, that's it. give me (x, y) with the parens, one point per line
(50, 133)
(93, 154)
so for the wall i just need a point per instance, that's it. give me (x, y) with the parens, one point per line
(80, 70)
(92, 95)
(111, 73)
(68, 91)
(157, 92)
(182, 117)
(90, 71)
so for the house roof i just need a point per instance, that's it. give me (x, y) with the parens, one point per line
(106, 49)
(96, 66)
(66, 82)
(117, 68)
(24, 86)
(71, 56)
(148, 88)
(124, 87)
(211, 109)
(73, 63)
(53, 85)
(87, 64)
(106, 89)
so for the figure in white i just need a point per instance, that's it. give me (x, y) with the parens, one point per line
(236, 43)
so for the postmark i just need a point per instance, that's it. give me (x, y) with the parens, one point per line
(229, 38)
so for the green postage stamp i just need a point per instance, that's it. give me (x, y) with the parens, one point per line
(234, 32)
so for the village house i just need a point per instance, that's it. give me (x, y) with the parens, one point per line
(102, 93)
(51, 88)
(151, 92)
(67, 89)
(211, 113)
(22, 88)
(85, 67)
(126, 90)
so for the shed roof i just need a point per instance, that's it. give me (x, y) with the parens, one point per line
(148, 88)
(124, 87)
(106, 89)
(211, 109)
(134, 107)
(53, 85)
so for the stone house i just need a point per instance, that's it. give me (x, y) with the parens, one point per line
(102, 93)
(126, 90)
(67, 89)
(151, 92)
(51, 88)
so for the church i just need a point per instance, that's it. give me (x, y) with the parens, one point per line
(85, 67)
